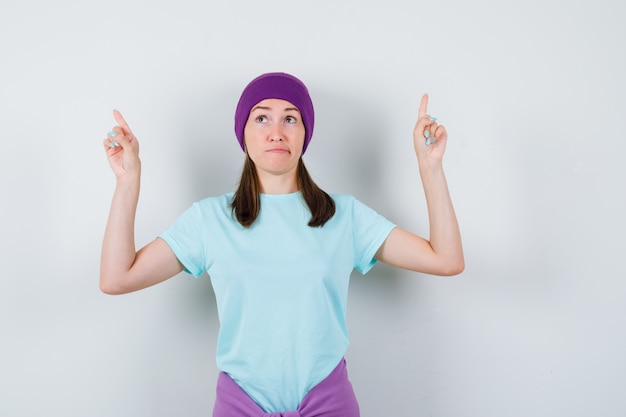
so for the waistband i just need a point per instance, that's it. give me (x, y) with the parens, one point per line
(333, 397)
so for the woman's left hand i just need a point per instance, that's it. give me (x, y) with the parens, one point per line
(442, 253)
(429, 137)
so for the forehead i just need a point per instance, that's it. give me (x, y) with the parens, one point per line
(275, 104)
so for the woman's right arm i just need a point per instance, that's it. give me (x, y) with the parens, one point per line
(122, 268)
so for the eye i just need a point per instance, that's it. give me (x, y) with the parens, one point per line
(290, 120)
(261, 119)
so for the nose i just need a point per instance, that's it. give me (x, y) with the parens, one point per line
(275, 135)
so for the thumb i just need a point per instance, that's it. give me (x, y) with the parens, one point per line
(128, 143)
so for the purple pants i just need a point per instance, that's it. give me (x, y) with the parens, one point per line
(333, 397)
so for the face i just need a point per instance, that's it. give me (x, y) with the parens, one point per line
(274, 137)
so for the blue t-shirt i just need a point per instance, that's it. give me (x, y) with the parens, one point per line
(281, 287)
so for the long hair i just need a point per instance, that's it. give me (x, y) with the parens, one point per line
(246, 204)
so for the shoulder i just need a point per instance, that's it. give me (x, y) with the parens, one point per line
(351, 207)
(343, 199)
(347, 202)
(214, 202)
(209, 209)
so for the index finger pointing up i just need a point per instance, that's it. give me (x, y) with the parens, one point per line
(120, 120)
(423, 106)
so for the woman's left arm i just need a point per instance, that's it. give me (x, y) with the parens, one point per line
(443, 253)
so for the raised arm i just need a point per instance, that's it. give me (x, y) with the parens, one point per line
(442, 254)
(122, 268)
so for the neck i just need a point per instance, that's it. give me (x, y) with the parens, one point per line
(278, 184)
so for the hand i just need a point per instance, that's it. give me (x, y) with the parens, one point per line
(122, 149)
(429, 137)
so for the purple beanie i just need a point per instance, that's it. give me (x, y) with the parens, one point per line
(275, 85)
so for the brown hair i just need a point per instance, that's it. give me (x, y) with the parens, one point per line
(246, 203)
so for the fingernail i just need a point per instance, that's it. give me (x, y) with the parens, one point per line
(116, 143)
(111, 145)
(433, 139)
(112, 134)
(427, 133)
(432, 119)
(428, 141)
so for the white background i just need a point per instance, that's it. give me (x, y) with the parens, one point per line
(534, 97)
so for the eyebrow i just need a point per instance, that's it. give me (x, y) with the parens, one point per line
(269, 108)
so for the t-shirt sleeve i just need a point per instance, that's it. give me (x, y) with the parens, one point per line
(370, 230)
(184, 237)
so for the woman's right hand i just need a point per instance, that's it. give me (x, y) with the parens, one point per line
(122, 149)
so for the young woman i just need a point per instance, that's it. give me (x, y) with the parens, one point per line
(279, 251)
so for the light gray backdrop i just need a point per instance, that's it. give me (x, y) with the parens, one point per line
(534, 97)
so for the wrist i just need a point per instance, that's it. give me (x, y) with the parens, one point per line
(429, 167)
(128, 180)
